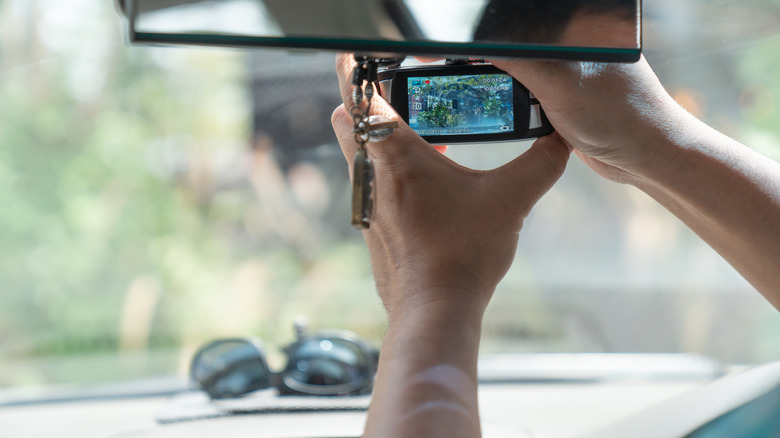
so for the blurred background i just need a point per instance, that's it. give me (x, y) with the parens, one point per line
(152, 199)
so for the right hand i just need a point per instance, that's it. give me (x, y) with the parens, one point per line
(613, 115)
(443, 233)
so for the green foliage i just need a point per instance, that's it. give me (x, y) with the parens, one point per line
(115, 234)
(440, 116)
(112, 211)
(492, 107)
(478, 97)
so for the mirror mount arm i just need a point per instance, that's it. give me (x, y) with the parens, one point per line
(385, 62)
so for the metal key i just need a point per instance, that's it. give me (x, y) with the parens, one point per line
(362, 180)
(366, 128)
(363, 173)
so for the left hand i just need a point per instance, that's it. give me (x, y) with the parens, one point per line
(443, 233)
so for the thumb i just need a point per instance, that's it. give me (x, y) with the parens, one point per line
(528, 177)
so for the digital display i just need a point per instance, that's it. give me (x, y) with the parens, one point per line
(461, 105)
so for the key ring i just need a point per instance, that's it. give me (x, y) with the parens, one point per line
(366, 128)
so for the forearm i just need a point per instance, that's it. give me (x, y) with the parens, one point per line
(726, 193)
(427, 380)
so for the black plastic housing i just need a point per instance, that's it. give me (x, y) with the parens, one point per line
(529, 118)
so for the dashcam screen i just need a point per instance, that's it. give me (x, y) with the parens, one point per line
(461, 105)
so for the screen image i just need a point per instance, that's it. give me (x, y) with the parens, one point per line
(461, 105)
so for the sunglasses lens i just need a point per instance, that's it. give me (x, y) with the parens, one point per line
(328, 362)
(229, 368)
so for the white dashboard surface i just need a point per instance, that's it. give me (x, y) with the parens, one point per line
(508, 410)
(627, 401)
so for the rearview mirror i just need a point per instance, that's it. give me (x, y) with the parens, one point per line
(595, 30)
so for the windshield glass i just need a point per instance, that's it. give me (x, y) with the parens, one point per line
(156, 198)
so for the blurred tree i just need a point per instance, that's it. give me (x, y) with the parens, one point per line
(133, 212)
(93, 137)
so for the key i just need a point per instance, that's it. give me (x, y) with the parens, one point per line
(362, 200)
(367, 129)
(363, 174)
(380, 128)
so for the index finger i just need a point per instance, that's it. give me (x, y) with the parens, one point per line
(402, 138)
(345, 65)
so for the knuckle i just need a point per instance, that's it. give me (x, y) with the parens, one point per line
(339, 117)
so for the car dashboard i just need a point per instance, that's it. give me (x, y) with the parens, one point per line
(539, 396)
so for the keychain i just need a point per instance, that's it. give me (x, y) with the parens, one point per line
(366, 128)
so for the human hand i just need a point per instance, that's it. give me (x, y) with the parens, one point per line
(624, 125)
(441, 230)
(613, 115)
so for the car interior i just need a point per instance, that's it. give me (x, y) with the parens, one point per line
(178, 243)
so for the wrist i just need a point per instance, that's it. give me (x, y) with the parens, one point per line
(444, 332)
(429, 279)
(664, 149)
(454, 296)
(437, 314)
(427, 373)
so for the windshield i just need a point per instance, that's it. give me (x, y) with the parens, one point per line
(153, 199)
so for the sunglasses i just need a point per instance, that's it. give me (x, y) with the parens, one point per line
(328, 363)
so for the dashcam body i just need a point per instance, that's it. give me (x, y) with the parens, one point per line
(463, 103)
